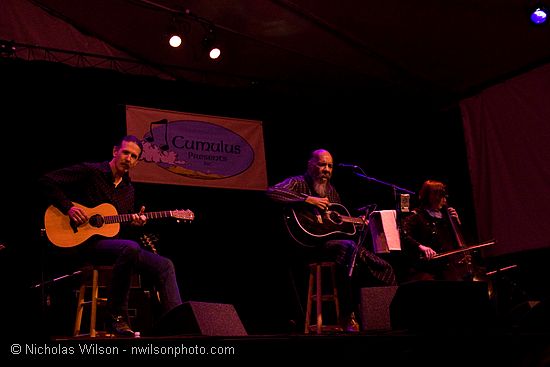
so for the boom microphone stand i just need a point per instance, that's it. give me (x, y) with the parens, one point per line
(401, 205)
(393, 186)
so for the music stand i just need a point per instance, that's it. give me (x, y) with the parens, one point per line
(385, 232)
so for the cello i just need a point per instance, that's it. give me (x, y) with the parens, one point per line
(471, 272)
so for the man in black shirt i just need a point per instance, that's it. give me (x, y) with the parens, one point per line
(92, 184)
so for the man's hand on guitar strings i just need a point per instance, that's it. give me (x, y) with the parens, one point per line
(321, 203)
(77, 215)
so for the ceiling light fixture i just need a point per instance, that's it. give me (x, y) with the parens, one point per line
(176, 32)
(175, 40)
(209, 42)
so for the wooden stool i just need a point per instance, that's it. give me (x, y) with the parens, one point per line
(93, 278)
(315, 293)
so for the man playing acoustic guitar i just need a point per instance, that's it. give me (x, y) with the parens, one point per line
(317, 212)
(95, 184)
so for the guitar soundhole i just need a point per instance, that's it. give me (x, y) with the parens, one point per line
(335, 217)
(96, 220)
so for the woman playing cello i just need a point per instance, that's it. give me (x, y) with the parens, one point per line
(434, 228)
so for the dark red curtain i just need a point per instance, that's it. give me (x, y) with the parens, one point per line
(507, 134)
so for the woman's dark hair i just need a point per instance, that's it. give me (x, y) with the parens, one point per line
(429, 187)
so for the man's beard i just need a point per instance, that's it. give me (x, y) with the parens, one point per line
(320, 188)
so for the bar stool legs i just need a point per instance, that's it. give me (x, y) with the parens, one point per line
(317, 296)
(94, 299)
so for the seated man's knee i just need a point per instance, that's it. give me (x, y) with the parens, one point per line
(131, 248)
(342, 250)
(167, 265)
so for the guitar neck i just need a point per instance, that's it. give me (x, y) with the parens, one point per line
(352, 220)
(122, 218)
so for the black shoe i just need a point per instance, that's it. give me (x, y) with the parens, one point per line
(120, 327)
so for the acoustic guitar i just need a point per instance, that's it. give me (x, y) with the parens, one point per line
(103, 220)
(310, 226)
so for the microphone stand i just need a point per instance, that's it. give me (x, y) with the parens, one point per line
(393, 186)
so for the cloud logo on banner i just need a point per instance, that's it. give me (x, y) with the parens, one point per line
(196, 149)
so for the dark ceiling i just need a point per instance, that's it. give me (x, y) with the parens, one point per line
(438, 51)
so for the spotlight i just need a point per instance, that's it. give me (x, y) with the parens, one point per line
(175, 40)
(538, 15)
(176, 32)
(210, 45)
(214, 53)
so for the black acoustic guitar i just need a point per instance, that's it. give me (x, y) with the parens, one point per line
(310, 226)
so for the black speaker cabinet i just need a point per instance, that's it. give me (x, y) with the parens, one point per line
(375, 307)
(200, 318)
(441, 305)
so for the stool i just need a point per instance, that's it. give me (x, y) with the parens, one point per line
(93, 277)
(315, 294)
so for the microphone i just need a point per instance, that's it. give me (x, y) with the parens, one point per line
(347, 165)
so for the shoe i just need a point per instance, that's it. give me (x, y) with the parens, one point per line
(351, 325)
(120, 327)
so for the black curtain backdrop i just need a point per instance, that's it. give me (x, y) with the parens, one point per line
(236, 251)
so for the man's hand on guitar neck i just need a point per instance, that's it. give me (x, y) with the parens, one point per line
(321, 203)
(139, 219)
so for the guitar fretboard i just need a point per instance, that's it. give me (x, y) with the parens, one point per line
(352, 220)
(121, 218)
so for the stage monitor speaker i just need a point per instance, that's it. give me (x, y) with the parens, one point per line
(441, 305)
(375, 307)
(200, 318)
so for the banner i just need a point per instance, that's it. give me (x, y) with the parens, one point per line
(198, 150)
